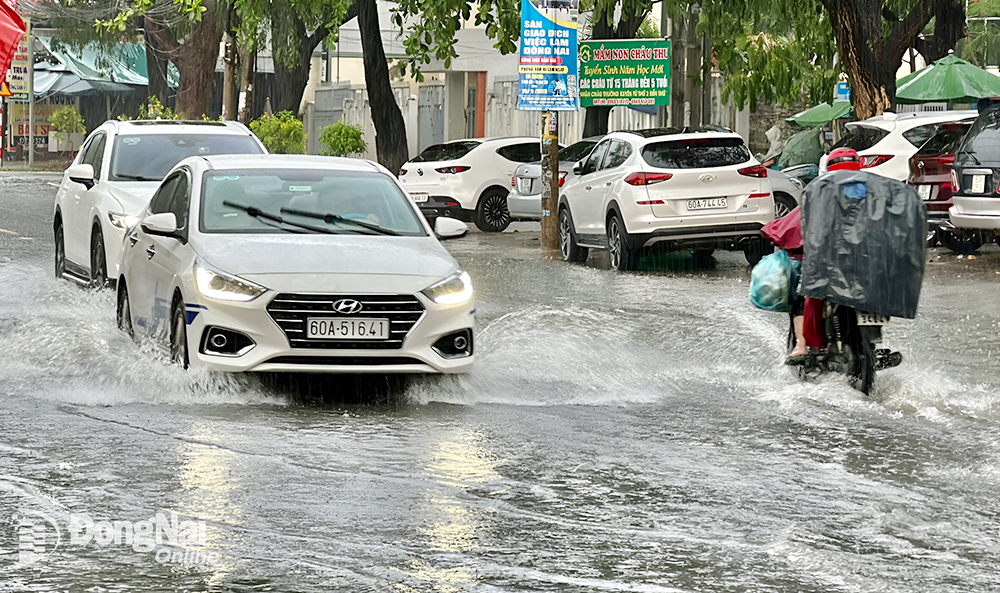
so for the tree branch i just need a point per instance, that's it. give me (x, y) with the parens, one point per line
(906, 31)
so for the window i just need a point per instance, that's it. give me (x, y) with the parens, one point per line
(148, 157)
(95, 154)
(619, 153)
(577, 152)
(445, 152)
(594, 160)
(174, 196)
(920, 134)
(982, 142)
(945, 141)
(696, 153)
(161, 199)
(528, 152)
(861, 138)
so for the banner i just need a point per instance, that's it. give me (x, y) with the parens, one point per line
(12, 31)
(634, 72)
(547, 70)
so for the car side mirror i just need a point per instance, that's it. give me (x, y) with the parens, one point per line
(449, 228)
(164, 223)
(578, 168)
(82, 174)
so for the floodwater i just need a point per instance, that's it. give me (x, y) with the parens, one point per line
(620, 432)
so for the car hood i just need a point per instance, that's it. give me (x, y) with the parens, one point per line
(133, 196)
(367, 259)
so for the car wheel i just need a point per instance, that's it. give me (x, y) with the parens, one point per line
(492, 215)
(98, 260)
(124, 311)
(932, 236)
(783, 204)
(178, 336)
(60, 251)
(755, 250)
(571, 252)
(621, 254)
(963, 241)
(702, 257)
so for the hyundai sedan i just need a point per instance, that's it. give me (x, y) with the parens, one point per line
(280, 263)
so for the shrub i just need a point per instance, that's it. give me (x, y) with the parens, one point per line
(280, 133)
(66, 120)
(152, 110)
(342, 139)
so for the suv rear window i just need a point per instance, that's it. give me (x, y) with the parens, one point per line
(920, 134)
(983, 139)
(696, 153)
(945, 141)
(522, 153)
(444, 152)
(862, 138)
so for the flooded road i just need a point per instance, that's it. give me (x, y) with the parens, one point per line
(620, 432)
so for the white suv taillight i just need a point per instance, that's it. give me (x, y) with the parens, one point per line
(756, 171)
(647, 178)
(873, 160)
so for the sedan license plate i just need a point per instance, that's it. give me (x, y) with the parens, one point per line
(524, 186)
(978, 184)
(710, 203)
(924, 191)
(418, 198)
(872, 319)
(341, 328)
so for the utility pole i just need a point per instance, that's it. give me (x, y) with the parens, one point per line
(550, 180)
(31, 98)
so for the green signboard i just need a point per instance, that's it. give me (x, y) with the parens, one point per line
(634, 72)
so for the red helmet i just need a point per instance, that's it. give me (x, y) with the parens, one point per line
(843, 159)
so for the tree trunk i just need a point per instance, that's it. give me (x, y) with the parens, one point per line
(390, 130)
(156, 70)
(229, 60)
(195, 60)
(292, 60)
(596, 119)
(949, 27)
(248, 63)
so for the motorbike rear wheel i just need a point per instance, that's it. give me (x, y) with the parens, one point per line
(861, 373)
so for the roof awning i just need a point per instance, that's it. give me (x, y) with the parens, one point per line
(92, 70)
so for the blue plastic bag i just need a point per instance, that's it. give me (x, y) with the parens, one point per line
(771, 283)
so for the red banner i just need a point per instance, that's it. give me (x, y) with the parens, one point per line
(11, 31)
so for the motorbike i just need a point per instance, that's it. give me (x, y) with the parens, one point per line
(852, 338)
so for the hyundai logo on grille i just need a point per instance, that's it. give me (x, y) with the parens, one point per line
(347, 306)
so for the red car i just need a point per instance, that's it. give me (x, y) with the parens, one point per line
(930, 176)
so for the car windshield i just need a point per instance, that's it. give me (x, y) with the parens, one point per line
(345, 202)
(445, 152)
(862, 138)
(149, 157)
(696, 153)
(946, 140)
(576, 152)
(982, 142)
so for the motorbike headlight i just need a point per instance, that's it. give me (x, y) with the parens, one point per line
(123, 221)
(216, 284)
(452, 290)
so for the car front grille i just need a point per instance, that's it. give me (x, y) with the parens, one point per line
(290, 312)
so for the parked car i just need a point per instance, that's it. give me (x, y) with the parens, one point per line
(699, 190)
(295, 263)
(787, 191)
(525, 198)
(111, 179)
(886, 142)
(468, 179)
(976, 181)
(930, 176)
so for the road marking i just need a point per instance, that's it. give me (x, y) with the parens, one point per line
(9, 232)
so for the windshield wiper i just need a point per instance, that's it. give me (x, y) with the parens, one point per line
(264, 216)
(135, 177)
(331, 218)
(969, 152)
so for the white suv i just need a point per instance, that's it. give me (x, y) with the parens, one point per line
(886, 142)
(112, 179)
(468, 179)
(698, 190)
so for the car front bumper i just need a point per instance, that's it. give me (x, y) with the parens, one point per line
(975, 213)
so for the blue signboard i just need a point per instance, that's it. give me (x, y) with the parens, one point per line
(841, 92)
(547, 70)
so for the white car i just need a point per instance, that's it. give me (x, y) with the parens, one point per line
(787, 191)
(112, 178)
(281, 263)
(699, 190)
(886, 142)
(468, 179)
(525, 198)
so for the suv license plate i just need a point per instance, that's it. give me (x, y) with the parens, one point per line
(340, 328)
(924, 191)
(978, 184)
(708, 204)
(872, 319)
(419, 197)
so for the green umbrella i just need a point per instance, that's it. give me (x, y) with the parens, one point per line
(949, 79)
(821, 114)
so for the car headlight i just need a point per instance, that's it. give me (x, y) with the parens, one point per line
(216, 284)
(452, 290)
(123, 221)
(796, 182)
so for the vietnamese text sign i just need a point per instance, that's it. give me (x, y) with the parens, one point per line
(19, 73)
(634, 72)
(547, 69)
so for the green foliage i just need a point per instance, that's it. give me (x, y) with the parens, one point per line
(650, 29)
(152, 109)
(122, 20)
(982, 46)
(342, 139)
(66, 120)
(280, 133)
